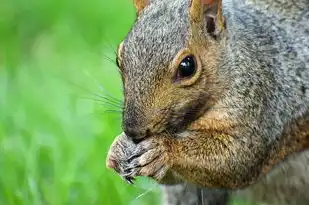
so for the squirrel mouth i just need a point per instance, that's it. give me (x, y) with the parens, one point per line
(179, 124)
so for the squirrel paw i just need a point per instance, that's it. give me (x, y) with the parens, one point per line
(150, 158)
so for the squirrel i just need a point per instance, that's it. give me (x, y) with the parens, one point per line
(216, 94)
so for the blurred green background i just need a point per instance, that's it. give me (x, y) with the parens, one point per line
(56, 66)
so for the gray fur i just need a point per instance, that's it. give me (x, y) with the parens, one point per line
(288, 184)
(187, 194)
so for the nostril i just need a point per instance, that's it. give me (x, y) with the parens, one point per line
(141, 137)
(148, 132)
(136, 136)
(131, 133)
(137, 140)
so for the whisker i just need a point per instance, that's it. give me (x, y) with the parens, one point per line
(109, 100)
(102, 101)
(101, 87)
(113, 111)
(98, 98)
(110, 45)
(109, 59)
(115, 100)
(107, 103)
(81, 87)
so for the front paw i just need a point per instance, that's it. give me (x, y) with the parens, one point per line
(151, 158)
(121, 149)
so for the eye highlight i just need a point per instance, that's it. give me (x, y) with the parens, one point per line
(187, 67)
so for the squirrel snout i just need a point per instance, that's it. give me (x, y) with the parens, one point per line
(134, 125)
(135, 134)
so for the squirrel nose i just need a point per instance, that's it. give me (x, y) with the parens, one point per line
(136, 134)
(134, 123)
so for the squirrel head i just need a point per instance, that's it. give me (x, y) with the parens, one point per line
(168, 64)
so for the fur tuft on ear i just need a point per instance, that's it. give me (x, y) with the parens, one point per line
(209, 11)
(140, 5)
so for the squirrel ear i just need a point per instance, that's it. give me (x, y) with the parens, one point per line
(210, 12)
(140, 5)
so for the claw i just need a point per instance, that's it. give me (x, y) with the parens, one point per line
(130, 174)
(129, 180)
(128, 170)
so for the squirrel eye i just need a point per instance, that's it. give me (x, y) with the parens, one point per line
(187, 67)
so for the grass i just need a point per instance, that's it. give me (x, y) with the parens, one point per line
(54, 134)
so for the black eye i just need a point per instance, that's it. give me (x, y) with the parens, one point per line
(187, 67)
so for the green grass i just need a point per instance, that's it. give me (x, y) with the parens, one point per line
(54, 134)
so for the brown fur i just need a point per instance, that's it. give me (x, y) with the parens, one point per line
(140, 5)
